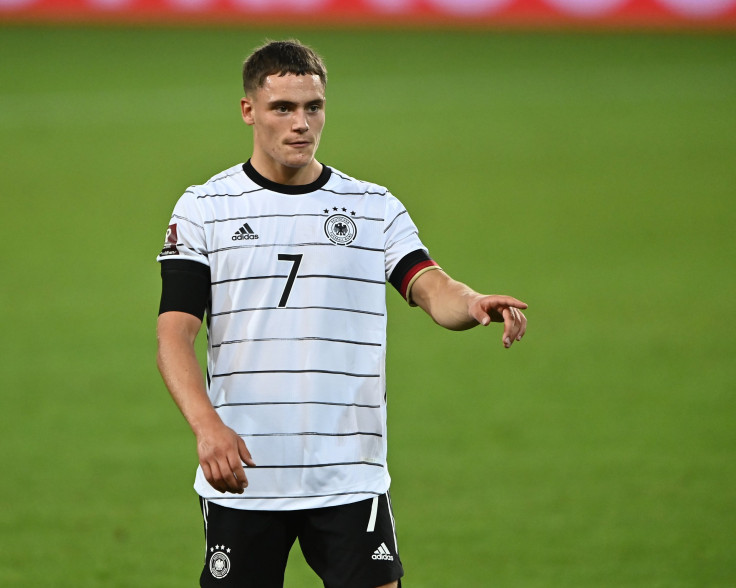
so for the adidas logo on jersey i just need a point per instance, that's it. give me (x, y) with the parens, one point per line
(383, 553)
(244, 233)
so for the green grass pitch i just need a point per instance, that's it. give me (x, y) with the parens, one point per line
(591, 175)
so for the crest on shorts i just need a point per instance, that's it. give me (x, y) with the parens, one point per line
(219, 561)
(340, 229)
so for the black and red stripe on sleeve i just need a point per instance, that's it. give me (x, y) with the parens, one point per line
(409, 269)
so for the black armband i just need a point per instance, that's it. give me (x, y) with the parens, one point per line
(411, 266)
(185, 287)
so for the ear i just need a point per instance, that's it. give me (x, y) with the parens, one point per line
(246, 109)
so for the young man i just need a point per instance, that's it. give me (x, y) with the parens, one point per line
(289, 260)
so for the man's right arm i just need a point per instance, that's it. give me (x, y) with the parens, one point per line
(221, 450)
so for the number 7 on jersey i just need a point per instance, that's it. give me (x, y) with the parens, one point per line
(295, 260)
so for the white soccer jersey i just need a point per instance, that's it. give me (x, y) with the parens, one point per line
(297, 328)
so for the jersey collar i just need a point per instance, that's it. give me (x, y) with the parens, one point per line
(251, 172)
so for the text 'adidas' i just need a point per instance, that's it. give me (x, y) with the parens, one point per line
(383, 553)
(243, 233)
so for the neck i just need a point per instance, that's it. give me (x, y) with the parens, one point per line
(288, 176)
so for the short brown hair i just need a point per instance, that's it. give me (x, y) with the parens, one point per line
(281, 57)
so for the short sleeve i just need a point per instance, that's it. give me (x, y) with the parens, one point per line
(185, 236)
(401, 236)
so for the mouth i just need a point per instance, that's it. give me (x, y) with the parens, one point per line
(299, 144)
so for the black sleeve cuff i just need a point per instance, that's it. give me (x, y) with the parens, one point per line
(411, 266)
(185, 287)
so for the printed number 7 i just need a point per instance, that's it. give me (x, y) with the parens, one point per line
(296, 260)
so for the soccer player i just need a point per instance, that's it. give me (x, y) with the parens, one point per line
(288, 258)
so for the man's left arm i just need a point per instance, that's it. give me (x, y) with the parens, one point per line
(457, 307)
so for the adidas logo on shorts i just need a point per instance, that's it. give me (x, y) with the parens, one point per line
(383, 553)
(243, 233)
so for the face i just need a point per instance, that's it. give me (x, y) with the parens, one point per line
(287, 115)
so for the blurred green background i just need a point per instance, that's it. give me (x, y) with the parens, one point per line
(590, 175)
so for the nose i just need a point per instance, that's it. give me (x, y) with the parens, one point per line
(300, 123)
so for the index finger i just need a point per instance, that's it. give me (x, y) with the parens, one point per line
(513, 302)
(237, 479)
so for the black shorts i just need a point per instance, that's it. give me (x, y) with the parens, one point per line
(348, 546)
